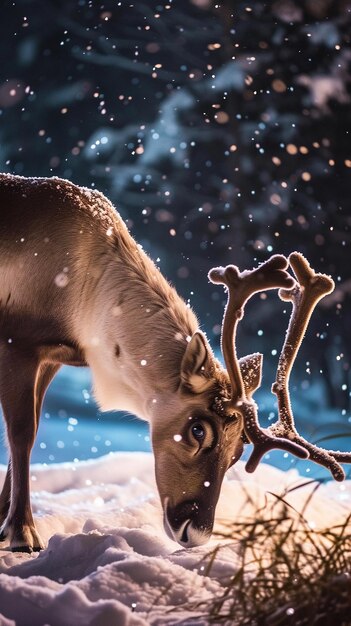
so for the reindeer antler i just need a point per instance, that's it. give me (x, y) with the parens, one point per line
(304, 295)
(241, 286)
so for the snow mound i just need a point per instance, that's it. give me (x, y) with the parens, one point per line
(108, 561)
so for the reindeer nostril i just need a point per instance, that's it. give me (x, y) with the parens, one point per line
(184, 538)
(182, 523)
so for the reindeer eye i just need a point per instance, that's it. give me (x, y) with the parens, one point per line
(201, 434)
(198, 431)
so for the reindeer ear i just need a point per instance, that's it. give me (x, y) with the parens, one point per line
(195, 372)
(251, 371)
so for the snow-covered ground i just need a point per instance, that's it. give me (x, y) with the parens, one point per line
(108, 561)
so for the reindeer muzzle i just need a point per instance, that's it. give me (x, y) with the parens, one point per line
(182, 523)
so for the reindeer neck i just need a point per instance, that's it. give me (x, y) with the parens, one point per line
(137, 331)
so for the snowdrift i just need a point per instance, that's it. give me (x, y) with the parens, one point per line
(108, 561)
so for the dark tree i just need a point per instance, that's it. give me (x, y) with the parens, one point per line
(219, 130)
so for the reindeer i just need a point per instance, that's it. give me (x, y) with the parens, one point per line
(76, 289)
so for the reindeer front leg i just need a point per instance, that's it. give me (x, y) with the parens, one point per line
(5, 495)
(18, 380)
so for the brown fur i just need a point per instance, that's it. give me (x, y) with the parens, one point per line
(75, 288)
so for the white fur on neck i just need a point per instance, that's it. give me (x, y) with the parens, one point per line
(116, 388)
(131, 308)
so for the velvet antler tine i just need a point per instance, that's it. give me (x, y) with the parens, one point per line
(304, 296)
(264, 441)
(230, 277)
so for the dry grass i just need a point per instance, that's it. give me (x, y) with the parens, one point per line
(288, 574)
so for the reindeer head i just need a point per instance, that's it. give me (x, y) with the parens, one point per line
(215, 415)
(204, 441)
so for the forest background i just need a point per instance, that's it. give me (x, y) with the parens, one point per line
(221, 132)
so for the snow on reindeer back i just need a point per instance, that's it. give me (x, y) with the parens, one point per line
(97, 204)
(108, 560)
